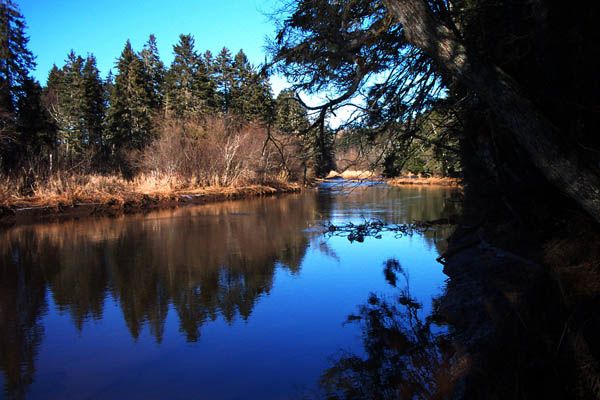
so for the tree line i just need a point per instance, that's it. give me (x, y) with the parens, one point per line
(82, 121)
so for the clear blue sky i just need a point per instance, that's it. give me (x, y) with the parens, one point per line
(102, 27)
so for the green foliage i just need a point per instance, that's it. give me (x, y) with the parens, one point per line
(251, 97)
(291, 118)
(16, 62)
(155, 71)
(361, 59)
(75, 98)
(78, 117)
(189, 91)
(224, 78)
(36, 128)
(241, 90)
(94, 105)
(130, 113)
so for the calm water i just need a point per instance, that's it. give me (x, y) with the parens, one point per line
(243, 299)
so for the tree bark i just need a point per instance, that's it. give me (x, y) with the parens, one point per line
(529, 127)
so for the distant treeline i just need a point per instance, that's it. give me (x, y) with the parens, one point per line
(84, 123)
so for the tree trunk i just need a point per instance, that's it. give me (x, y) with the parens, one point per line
(529, 127)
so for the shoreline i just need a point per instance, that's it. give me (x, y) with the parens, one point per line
(426, 181)
(52, 210)
(360, 176)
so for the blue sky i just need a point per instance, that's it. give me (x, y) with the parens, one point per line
(102, 27)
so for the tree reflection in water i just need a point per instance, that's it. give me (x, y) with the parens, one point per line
(199, 263)
(207, 262)
(404, 351)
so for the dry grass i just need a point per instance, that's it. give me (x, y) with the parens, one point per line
(61, 190)
(212, 158)
(353, 174)
(418, 180)
(399, 181)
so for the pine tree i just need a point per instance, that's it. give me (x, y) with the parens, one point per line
(224, 79)
(75, 98)
(209, 60)
(16, 62)
(35, 124)
(190, 93)
(251, 97)
(212, 74)
(108, 84)
(94, 105)
(155, 71)
(72, 99)
(291, 118)
(130, 113)
(66, 106)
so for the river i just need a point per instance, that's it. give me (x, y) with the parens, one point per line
(232, 300)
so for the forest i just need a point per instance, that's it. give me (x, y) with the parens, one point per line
(502, 95)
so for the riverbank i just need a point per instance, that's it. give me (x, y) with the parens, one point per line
(79, 197)
(431, 180)
(353, 175)
(358, 175)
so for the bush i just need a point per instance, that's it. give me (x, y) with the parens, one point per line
(214, 152)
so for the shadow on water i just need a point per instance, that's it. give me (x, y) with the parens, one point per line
(204, 263)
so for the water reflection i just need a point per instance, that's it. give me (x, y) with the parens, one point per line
(208, 262)
(404, 357)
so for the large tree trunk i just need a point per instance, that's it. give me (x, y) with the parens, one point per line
(529, 127)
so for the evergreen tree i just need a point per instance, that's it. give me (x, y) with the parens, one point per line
(224, 78)
(155, 71)
(16, 62)
(190, 93)
(251, 97)
(70, 117)
(75, 99)
(94, 105)
(212, 73)
(315, 143)
(209, 60)
(108, 84)
(53, 82)
(36, 127)
(130, 113)
(291, 118)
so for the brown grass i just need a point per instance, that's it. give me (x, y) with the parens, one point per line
(353, 174)
(418, 180)
(61, 190)
(189, 161)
